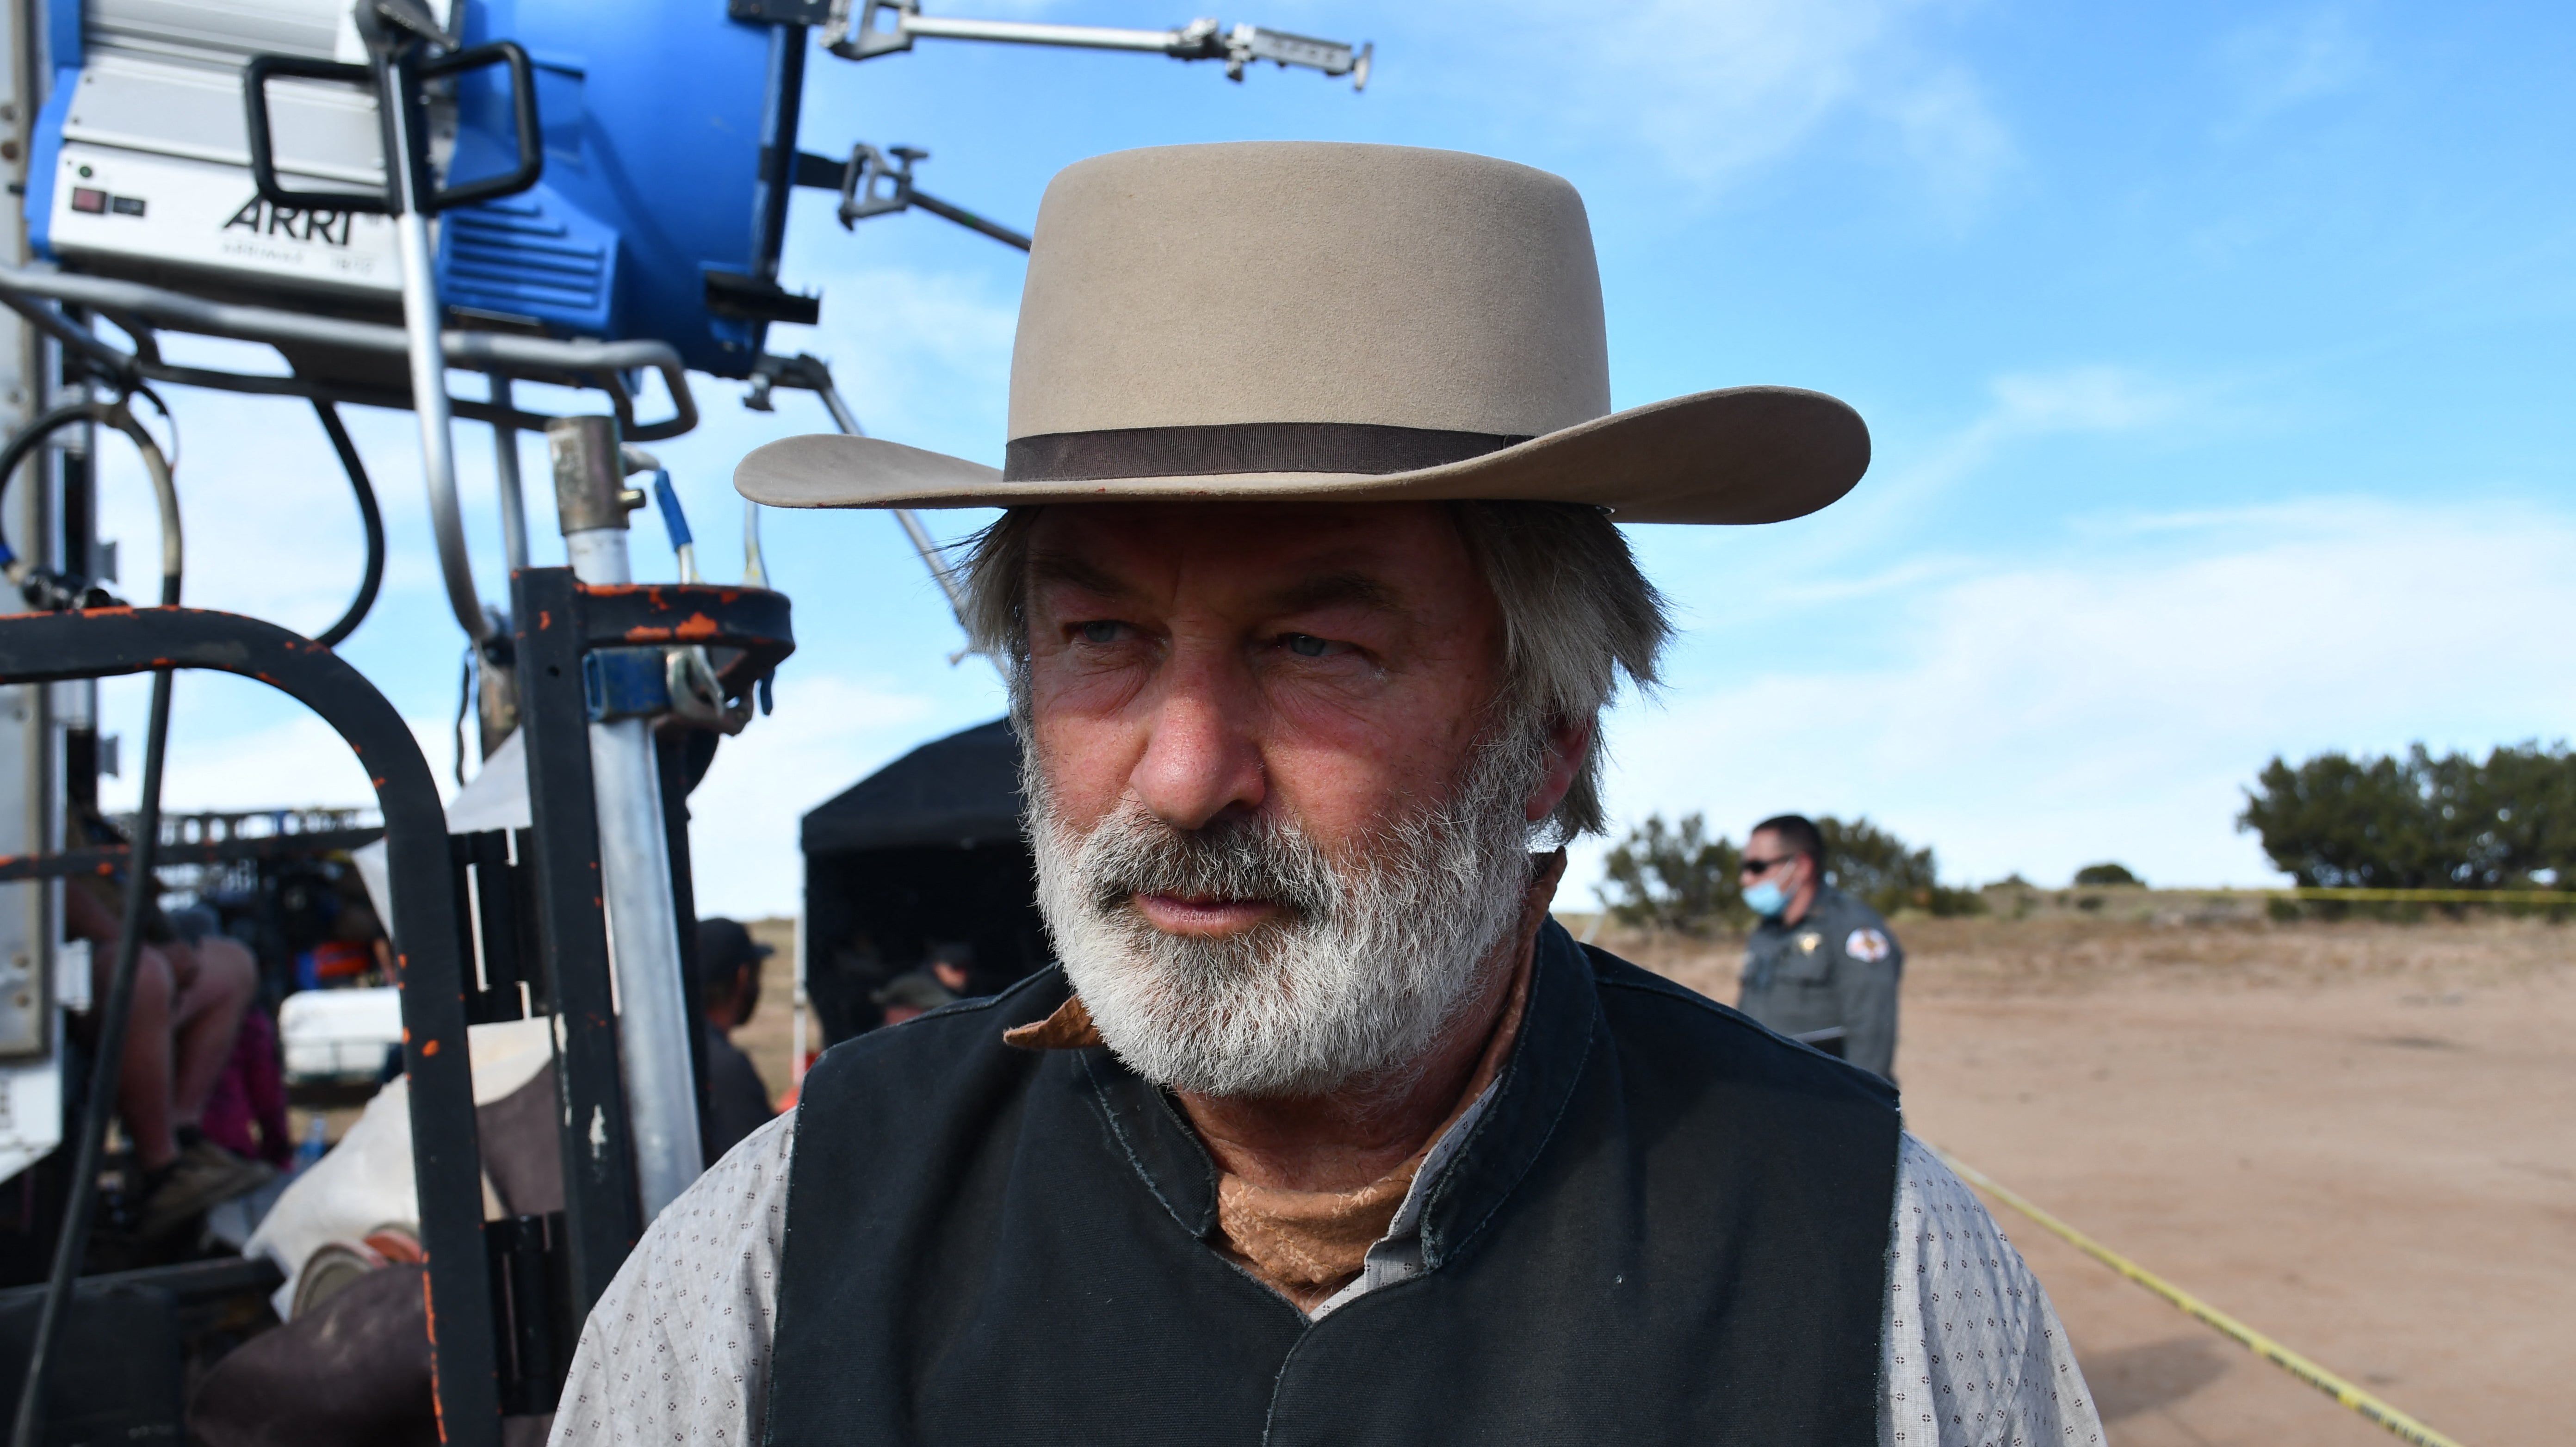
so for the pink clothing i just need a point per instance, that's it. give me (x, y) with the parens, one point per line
(247, 1112)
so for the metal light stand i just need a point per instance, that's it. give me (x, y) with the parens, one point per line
(655, 1019)
(592, 655)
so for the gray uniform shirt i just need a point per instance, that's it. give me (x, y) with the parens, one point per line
(1829, 979)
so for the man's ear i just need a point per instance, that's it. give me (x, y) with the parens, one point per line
(1569, 742)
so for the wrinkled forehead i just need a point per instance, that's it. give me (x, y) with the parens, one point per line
(1404, 559)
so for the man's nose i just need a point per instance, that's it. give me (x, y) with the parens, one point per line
(1201, 761)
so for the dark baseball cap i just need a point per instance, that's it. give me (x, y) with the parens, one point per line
(724, 946)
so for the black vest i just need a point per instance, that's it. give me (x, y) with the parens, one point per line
(1670, 1226)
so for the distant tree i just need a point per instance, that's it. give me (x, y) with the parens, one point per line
(2417, 821)
(1676, 877)
(1866, 861)
(2094, 874)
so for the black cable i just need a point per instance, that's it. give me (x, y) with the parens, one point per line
(15, 454)
(334, 635)
(118, 416)
(167, 420)
(464, 701)
(106, 1072)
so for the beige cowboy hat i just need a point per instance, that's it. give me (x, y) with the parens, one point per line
(1313, 321)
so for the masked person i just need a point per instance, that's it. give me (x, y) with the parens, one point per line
(1821, 967)
(1309, 598)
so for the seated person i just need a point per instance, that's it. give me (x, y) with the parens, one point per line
(188, 1002)
(246, 1111)
(913, 994)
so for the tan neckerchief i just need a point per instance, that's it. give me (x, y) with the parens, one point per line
(1306, 1245)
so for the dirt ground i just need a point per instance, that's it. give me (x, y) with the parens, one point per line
(768, 1036)
(2356, 1138)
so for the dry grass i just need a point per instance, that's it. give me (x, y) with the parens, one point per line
(1986, 955)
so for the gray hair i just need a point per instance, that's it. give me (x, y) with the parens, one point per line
(1576, 614)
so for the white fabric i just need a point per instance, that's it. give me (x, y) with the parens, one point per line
(366, 1184)
(678, 1349)
(496, 798)
(1974, 1354)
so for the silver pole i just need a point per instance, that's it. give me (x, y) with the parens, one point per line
(1021, 32)
(755, 568)
(505, 464)
(421, 317)
(653, 1011)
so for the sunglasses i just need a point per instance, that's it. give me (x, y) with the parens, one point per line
(1765, 866)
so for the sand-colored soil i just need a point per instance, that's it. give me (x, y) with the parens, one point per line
(2357, 1138)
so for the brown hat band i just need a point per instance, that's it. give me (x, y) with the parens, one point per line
(1239, 447)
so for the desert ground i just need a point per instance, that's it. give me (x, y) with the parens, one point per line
(2357, 1137)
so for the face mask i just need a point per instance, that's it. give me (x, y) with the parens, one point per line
(1767, 900)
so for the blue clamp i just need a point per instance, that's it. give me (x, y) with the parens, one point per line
(625, 683)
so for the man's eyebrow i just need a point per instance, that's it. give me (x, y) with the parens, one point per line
(1346, 589)
(1064, 570)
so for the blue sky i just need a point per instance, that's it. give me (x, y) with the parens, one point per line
(2215, 357)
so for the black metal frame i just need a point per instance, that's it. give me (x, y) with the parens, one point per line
(430, 965)
(505, 1299)
(398, 81)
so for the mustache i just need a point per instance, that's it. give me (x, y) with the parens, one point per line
(1132, 852)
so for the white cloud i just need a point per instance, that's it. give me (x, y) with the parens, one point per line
(2112, 704)
(923, 357)
(2086, 398)
(1721, 91)
(2277, 64)
(295, 762)
(1959, 147)
(827, 734)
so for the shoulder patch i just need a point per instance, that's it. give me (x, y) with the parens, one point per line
(1868, 946)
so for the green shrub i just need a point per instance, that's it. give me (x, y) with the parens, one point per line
(1675, 878)
(2096, 875)
(1874, 865)
(2419, 822)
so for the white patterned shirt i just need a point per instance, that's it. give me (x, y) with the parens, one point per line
(678, 1349)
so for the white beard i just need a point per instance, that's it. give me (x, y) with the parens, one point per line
(1376, 954)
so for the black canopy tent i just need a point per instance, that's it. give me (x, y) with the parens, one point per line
(924, 852)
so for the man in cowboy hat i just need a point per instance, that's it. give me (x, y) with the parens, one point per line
(1310, 598)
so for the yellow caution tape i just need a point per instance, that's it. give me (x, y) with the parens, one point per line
(2433, 896)
(2382, 896)
(2254, 1341)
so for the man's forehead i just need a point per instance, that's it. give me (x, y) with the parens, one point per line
(1373, 554)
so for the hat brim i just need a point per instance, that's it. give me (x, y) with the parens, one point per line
(1739, 455)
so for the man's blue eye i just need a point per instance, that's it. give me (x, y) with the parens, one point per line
(1306, 645)
(1100, 632)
